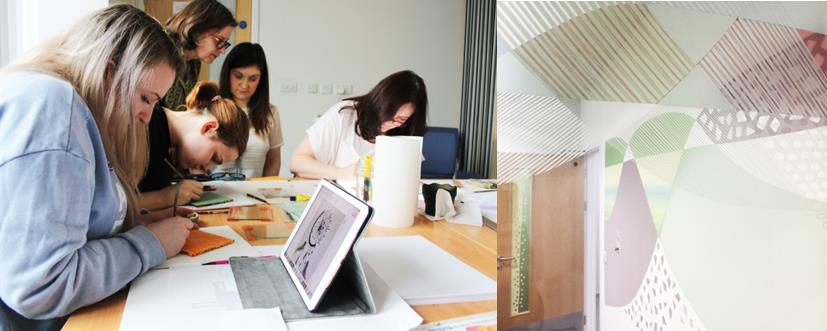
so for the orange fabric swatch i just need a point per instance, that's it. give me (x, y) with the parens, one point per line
(200, 242)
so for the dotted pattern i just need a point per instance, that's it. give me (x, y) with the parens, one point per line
(521, 232)
(803, 157)
(659, 304)
(725, 126)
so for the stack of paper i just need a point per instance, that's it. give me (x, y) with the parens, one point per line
(422, 273)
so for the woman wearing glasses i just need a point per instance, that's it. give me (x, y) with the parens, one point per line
(71, 159)
(212, 131)
(244, 78)
(202, 31)
(347, 132)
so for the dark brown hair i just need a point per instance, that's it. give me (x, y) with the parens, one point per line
(233, 126)
(198, 17)
(244, 55)
(382, 102)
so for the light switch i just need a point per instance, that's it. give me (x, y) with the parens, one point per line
(313, 88)
(290, 87)
(327, 88)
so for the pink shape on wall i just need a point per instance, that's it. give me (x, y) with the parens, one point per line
(817, 44)
(766, 67)
(629, 239)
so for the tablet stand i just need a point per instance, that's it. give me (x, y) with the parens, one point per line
(265, 283)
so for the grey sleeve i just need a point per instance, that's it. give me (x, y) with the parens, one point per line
(49, 268)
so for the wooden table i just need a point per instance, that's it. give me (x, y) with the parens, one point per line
(474, 246)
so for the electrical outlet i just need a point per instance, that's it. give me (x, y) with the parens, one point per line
(344, 89)
(313, 88)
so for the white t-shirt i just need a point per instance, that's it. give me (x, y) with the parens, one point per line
(333, 137)
(251, 163)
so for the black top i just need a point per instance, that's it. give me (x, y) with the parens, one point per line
(158, 174)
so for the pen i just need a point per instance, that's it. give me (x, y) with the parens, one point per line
(299, 197)
(257, 198)
(175, 200)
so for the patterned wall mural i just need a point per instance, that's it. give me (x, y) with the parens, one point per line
(715, 204)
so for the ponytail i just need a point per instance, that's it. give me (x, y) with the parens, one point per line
(233, 125)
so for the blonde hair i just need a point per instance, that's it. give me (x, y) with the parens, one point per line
(120, 43)
(233, 125)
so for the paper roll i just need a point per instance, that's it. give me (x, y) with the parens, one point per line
(396, 180)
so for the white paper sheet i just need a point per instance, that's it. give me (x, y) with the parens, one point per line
(488, 205)
(422, 273)
(238, 190)
(252, 319)
(238, 248)
(185, 298)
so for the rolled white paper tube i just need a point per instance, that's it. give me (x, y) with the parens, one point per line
(396, 180)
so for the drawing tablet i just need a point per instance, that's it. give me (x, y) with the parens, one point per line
(209, 199)
(323, 237)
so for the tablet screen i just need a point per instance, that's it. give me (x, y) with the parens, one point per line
(317, 244)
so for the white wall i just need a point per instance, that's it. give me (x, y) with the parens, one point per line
(357, 43)
(43, 19)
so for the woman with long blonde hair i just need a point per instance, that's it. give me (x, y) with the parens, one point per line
(73, 123)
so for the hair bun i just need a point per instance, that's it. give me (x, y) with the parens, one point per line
(204, 93)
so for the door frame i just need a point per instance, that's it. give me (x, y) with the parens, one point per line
(593, 238)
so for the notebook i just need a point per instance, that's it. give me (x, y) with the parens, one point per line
(200, 242)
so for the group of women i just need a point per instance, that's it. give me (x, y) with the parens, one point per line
(99, 120)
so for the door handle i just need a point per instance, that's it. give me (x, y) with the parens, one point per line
(501, 261)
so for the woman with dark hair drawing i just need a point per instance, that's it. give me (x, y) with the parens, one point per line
(332, 147)
(244, 79)
(202, 32)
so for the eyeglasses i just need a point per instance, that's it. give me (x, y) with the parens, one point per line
(227, 176)
(220, 42)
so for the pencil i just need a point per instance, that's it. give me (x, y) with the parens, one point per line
(257, 198)
(174, 169)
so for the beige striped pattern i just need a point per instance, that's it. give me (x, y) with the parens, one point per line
(766, 11)
(521, 21)
(615, 53)
(535, 134)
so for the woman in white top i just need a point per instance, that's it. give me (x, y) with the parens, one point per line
(332, 146)
(244, 78)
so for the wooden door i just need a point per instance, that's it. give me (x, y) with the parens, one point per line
(552, 284)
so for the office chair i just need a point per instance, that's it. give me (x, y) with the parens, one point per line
(441, 148)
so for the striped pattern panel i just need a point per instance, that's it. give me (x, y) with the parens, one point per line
(661, 134)
(616, 53)
(766, 11)
(520, 21)
(536, 134)
(766, 67)
(477, 105)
